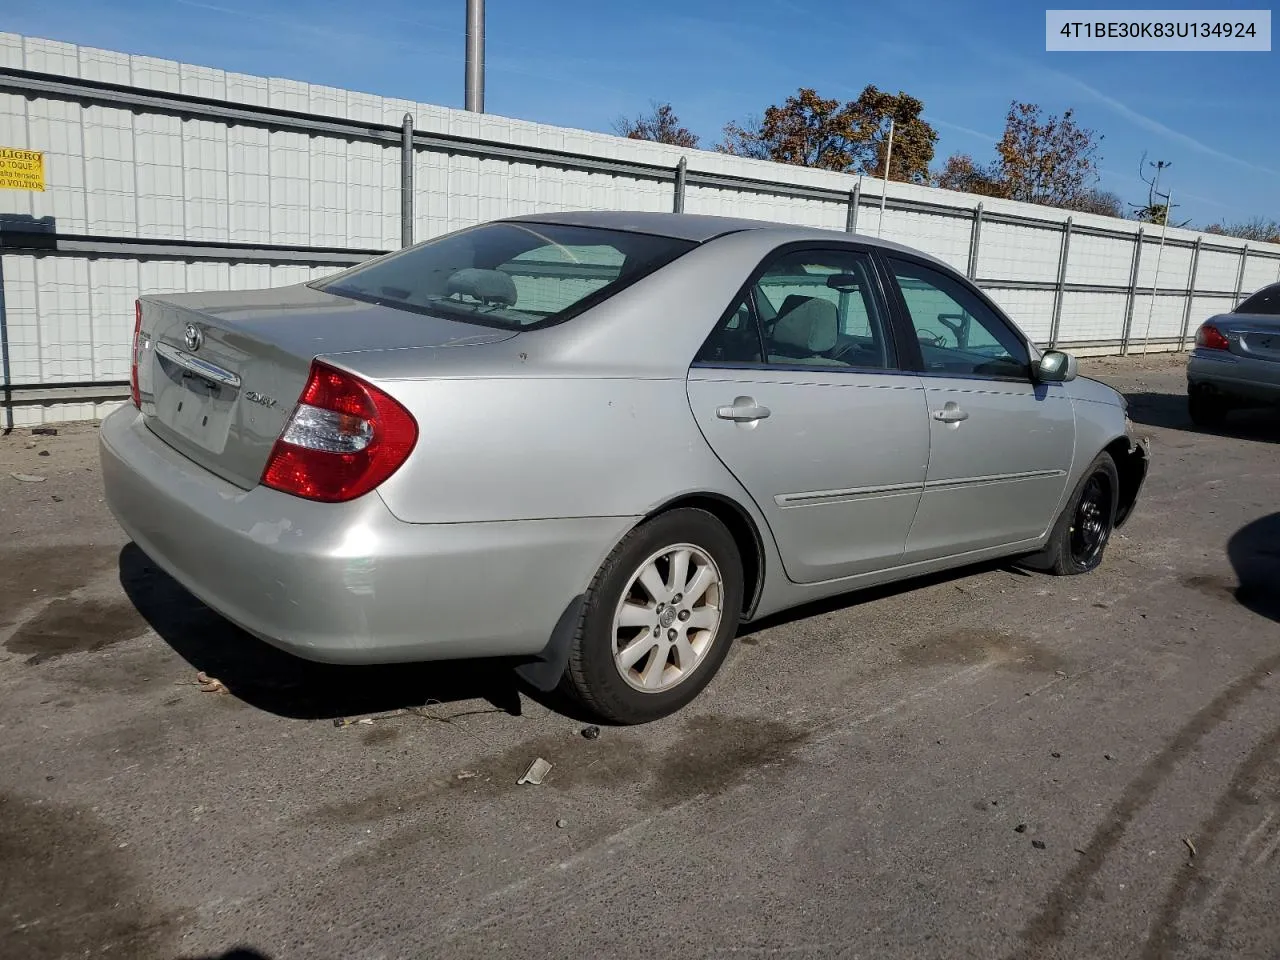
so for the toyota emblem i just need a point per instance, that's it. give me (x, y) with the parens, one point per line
(193, 337)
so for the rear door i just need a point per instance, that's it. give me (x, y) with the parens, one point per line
(799, 392)
(1001, 445)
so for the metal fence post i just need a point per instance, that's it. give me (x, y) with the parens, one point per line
(681, 170)
(406, 181)
(851, 216)
(1063, 252)
(1244, 259)
(6, 390)
(1133, 292)
(1191, 293)
(975, 237)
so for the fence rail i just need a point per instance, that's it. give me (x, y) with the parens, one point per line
(238, 192)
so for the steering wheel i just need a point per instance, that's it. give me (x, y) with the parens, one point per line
(850, 346)
(932, 339)
(958, 324)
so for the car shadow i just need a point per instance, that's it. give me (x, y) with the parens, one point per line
(1169, 410)
(278, 682)
(844, 601)
(1254, 552)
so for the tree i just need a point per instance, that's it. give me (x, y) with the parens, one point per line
(1263, 231)
(745, 140)
(963, 174)
(913, 137)
(1048, 160)
(660, 125)
(813, 131)
(1099, 202)
(807, 131)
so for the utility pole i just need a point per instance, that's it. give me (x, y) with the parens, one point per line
(1155, 280)
(475, 56)
(1153, 185)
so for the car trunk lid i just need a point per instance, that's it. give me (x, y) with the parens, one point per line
(219, 374)
(1256, 336)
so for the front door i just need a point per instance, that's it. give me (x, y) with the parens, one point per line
(1000, 445)
(799, 393)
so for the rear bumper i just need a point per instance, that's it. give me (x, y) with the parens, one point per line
(347, 583)
(1245, 378)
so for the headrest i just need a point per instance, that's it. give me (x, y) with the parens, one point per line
(811, 325)
(489, 286)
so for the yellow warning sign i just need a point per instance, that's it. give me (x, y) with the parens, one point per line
(21, 169)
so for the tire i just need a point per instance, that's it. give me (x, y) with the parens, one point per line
(1083, 529)
(663, 676)
(1205, 409)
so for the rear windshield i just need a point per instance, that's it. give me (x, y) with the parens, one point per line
(510, 275)
(1266, 300)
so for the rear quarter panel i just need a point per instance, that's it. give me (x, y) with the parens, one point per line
(543, 447)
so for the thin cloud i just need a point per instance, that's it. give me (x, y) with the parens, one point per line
(968, 131)
(494, 62)
(1155, 126)
(973, 43)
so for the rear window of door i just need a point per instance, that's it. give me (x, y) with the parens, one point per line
(808, 308)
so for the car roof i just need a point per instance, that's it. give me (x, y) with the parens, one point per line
(698, 227)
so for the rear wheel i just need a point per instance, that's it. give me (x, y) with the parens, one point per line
(658, 619)
(1206, 409)
(1083, 530)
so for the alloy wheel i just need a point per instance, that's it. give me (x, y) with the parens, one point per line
(668, 617)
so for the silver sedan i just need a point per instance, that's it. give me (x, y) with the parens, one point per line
(1236, 361)
(596, 443)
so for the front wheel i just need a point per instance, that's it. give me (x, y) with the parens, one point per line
(1082, 531)
(658, 619)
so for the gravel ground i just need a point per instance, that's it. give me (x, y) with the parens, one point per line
(983, 764)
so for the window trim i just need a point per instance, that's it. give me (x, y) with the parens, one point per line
(914, 356)
(747, 291)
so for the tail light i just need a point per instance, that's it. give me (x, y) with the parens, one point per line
(1211, 338)
(344, 438)
(133, 363)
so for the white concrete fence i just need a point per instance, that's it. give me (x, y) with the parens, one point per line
(162, 176)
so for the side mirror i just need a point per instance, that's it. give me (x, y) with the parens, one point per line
(1056, 367)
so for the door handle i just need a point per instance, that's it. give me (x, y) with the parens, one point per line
(743, 410)
(950, 413)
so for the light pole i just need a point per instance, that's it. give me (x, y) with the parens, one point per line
(884, 185)
(475, 56)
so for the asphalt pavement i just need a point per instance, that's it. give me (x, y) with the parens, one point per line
(990, 763)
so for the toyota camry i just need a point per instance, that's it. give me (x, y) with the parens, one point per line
(597, 443)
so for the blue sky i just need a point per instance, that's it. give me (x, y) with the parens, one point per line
(582, 64)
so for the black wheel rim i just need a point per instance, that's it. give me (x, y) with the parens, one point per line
(1092, 523)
